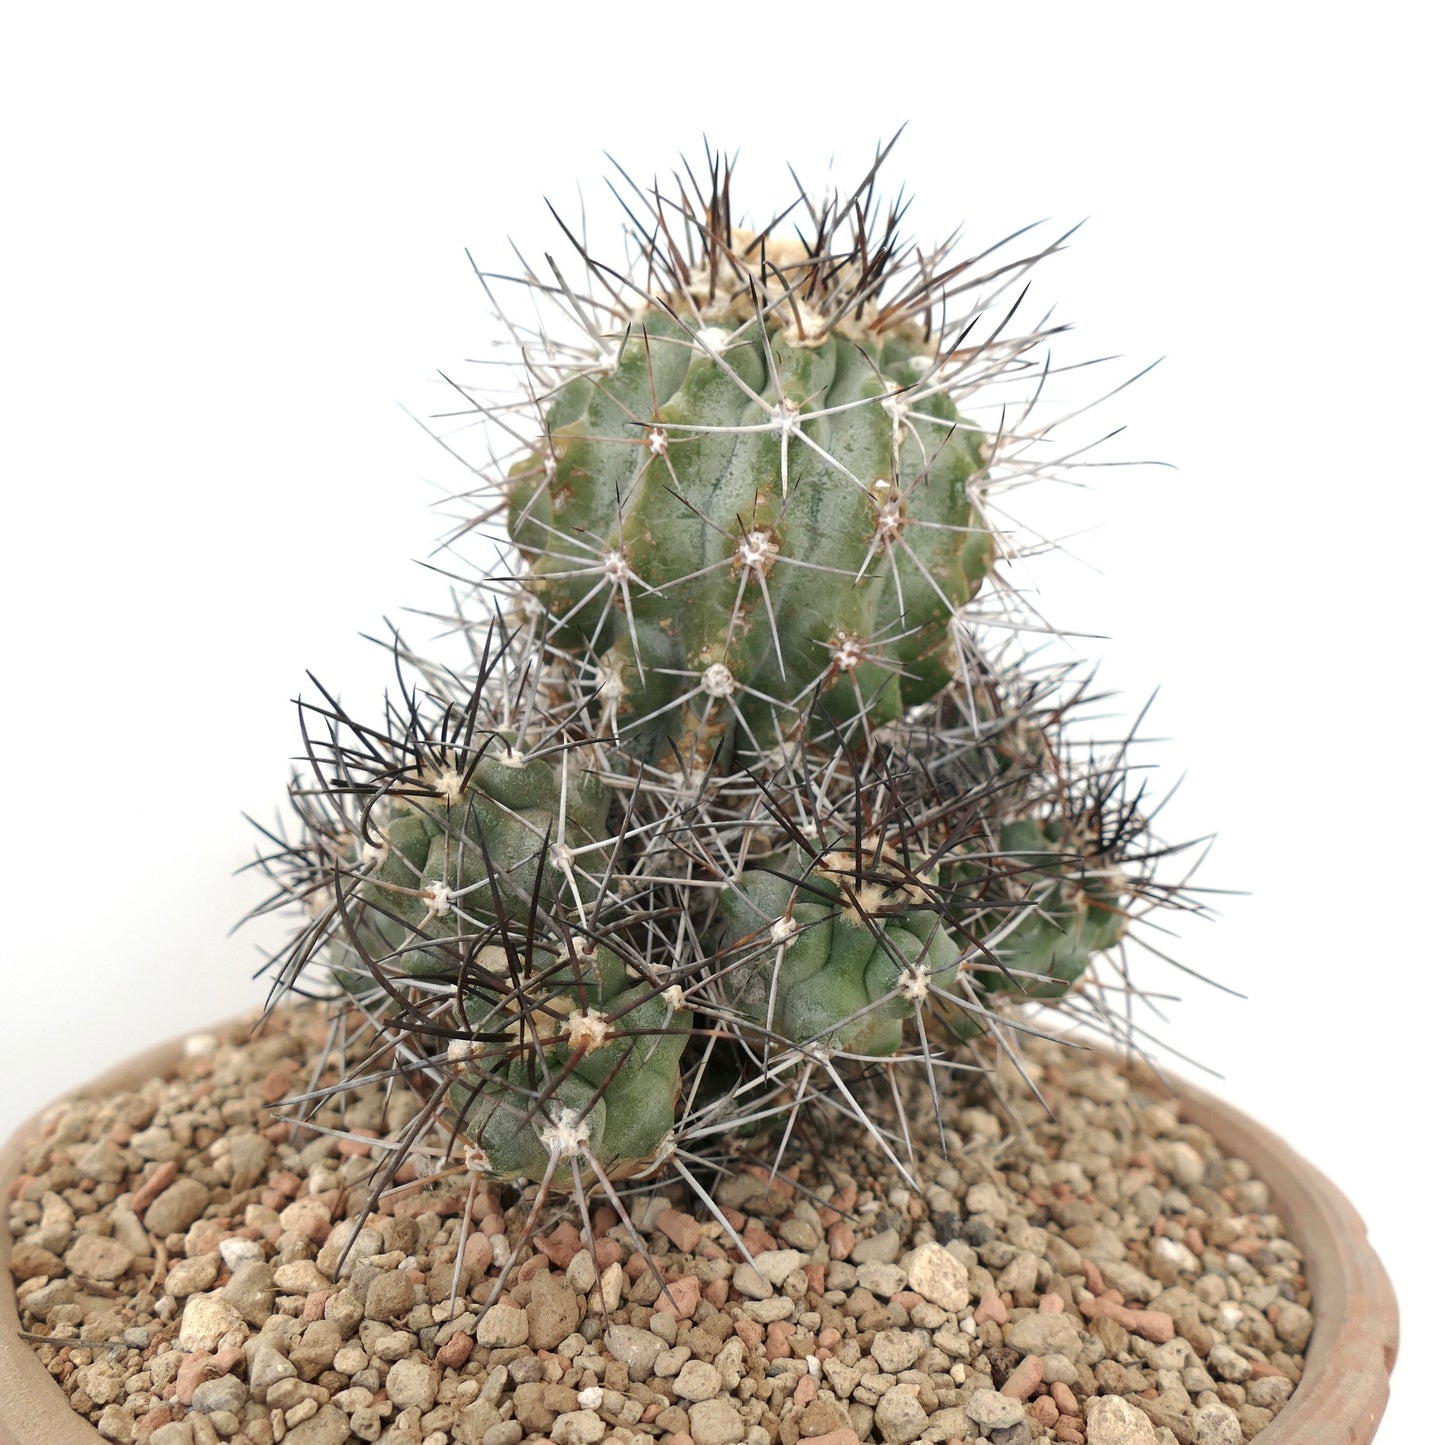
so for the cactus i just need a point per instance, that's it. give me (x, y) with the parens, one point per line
(987, 866)
(741, 795)
(454, 887)
(759, 507)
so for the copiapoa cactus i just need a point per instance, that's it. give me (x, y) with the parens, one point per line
(747, 795)
(760, 505)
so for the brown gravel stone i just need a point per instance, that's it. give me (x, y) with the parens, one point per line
(93, 1256)
(390, 1296)
(177, 1207)
(553, 1311)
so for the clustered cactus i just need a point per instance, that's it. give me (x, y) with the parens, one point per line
(748, 793)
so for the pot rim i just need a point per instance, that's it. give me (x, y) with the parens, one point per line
(1339, 1400)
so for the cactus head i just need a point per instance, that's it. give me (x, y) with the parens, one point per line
(759, 506)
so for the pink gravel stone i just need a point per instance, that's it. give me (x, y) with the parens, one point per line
(1045, 1411)
(682, 1229)
(456, 1352)
(991, 1307)
(560, 1246)
(780, 1340)
(1153, 1325)
(162, 1178)
(1027, 1376)
(201, 1366)
(680, 1299)
(1064, 1399)
(478, 1253)
(357, 1148)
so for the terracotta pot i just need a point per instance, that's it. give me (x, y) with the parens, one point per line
(1338, 1402)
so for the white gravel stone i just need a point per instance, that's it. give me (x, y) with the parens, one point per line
(940, 1278)
(1293, 1325)
(268, 1365)
(987, 1199)
(94, 1256)
(578, 1427)
(750, 1284)
(991, 1411)
(896, 1350)
(775, 1265)
(502, 1327)
(1114, 1421)
(189, 1276)
(206, 1321)
(177, 1207)
(635, 1348)
(227, 1393)
(1169, 1260)
(301, 1276)
(177, 1432)
(1229, 1364)
(1215, 1424)
(876, 1248)
(1037, 1333)
(1131, 1282)
(766, 1311)
(881, 1280)
(696, 1381)
(899, 1416)
(1059, 1369)
(412, 1382)
(1177, 1355)
(1183, 1163)
(328, 1426)
(236, 1251)
(716, 1422)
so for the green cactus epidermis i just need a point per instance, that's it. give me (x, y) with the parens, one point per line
(463, 849)
(828, 960)
(829, 975)
(1069, 913)
(621, 1084)
(480, 829)
(831, 559)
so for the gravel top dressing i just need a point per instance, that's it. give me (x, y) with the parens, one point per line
(1091, 1271)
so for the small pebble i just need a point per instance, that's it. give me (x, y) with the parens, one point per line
(697, 1381)
(502, 1326)
(412, 1382)
(939, 1277)
(716, 1422)
(990, 1410)
(206, 1321)
(93, 1256)
(178, 1207)
(1114, 1421)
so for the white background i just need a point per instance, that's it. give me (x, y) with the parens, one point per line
(234, 241)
